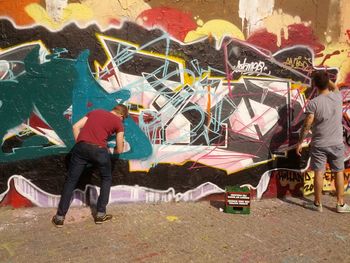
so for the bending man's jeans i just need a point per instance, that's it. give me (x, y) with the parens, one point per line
(82, 154)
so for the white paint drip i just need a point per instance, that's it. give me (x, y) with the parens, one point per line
(278, 23)
(254, 11)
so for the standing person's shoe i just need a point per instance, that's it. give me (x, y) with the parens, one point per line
(101, 219)
(57, 222)
(343, 209)
(313, 207)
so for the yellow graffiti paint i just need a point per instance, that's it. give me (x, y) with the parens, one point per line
(300, 86)
(216, 28)
(328, 182)
(341, 60)
(119, 10)
(172, 218)
(79, 13)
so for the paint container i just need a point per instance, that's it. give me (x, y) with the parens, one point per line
(237, 200)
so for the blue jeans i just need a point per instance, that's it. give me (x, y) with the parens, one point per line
(83, 154)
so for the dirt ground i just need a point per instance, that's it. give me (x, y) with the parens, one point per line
(275, 231)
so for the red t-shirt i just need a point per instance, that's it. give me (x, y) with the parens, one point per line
(99, 126)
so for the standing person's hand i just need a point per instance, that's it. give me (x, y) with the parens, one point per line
(299, 149)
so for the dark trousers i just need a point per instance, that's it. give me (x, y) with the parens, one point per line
(83, 154)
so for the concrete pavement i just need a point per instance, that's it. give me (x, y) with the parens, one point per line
(275, 231)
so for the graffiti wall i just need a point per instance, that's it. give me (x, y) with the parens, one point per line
(216, 92)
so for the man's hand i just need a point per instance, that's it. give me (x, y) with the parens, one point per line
(299, 149)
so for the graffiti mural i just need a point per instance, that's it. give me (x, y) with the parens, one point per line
(214, 100)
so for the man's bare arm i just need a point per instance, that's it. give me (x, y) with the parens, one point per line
(77, 126)
(304, 132)
(309, 119)
(119, 142)
(332, 86)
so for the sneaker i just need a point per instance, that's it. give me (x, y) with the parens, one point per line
(343, 209)
(101, 219)
(313, 207)
(57, 222)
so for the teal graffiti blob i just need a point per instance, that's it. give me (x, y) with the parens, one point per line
(88, 94)
(51, 88)
(46, 87)
(140, 146)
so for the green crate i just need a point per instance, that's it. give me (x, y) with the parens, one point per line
(237, 200)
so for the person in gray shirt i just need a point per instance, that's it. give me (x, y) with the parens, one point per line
(324, 118)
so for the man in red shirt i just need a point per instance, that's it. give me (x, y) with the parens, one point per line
(91, 134)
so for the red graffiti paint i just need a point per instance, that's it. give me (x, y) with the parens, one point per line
(114, 21)
(36, 122)
(173, 21)
(272, 189)
(276, 189)
(347, 80)
(14, 199)
(298, 34)
(348, 32)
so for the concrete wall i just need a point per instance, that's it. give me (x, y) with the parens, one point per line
(216, 91)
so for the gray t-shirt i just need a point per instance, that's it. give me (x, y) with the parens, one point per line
(327, 129)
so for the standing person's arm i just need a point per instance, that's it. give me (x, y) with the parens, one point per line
(309, 119)
(119, 148)
(77, 126)
(332, 86)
